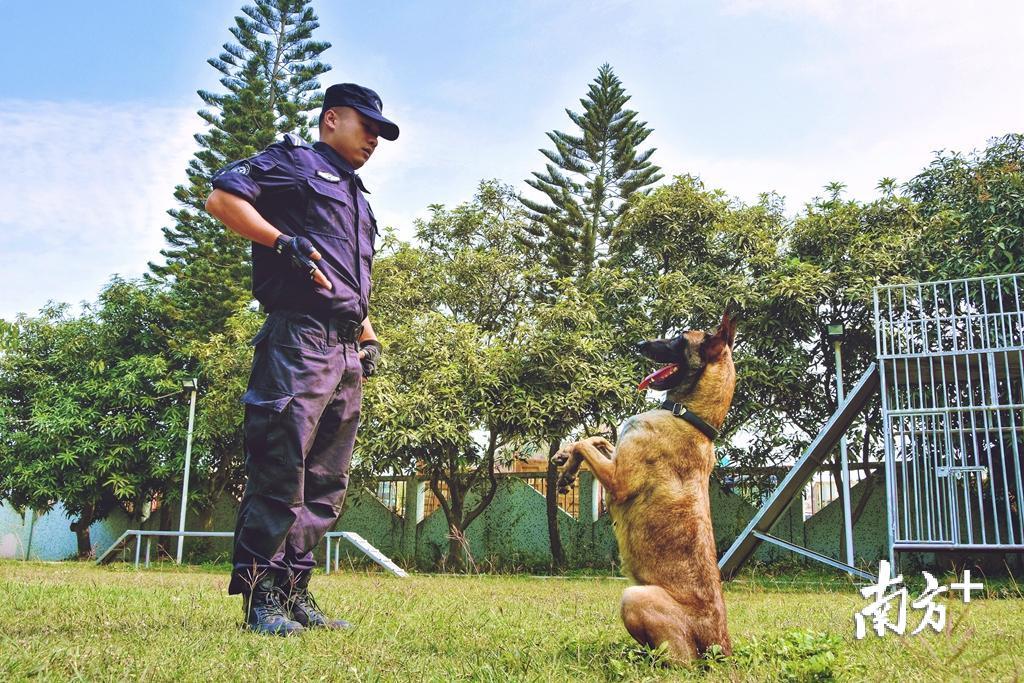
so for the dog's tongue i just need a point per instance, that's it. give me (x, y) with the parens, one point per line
(658, 375)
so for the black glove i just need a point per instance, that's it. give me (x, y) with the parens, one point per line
(371, 349)
(298, 250)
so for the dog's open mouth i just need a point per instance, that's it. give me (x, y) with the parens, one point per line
(659, 379)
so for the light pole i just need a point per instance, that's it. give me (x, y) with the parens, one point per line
(193, 386)
(836, 335)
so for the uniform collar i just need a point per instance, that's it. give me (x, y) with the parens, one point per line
(332, 156)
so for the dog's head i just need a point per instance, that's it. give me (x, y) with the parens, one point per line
(685, 356)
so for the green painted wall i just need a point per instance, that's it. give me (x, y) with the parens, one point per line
(510, 535)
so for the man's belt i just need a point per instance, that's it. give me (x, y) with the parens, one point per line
(348, 330)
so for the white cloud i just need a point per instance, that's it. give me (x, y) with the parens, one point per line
(944, 34)
(85, 195)
(781, 95)
(874, 90)
(440, 158)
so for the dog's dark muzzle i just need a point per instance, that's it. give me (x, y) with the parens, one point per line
(673, 354)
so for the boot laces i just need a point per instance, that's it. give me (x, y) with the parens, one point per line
(273, 604)
(308, 602)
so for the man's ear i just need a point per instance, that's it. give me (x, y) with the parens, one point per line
(727, 328)
(330, 120)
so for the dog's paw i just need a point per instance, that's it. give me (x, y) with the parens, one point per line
(561, 457)
(565, 483)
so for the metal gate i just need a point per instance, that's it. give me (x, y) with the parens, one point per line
(951, 356)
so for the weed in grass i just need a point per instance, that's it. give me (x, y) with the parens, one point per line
(796, 655)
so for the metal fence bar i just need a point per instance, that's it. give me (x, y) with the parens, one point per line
(140, 533)
(951, 355)
(947, 523)
(881, 350)
(993, 398)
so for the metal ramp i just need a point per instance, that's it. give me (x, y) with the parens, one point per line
(827, 439)
(364, 547)
(332, 538)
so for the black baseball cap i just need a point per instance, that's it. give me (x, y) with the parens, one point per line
(364, 101)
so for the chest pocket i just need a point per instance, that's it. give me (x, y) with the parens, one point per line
(328, 213)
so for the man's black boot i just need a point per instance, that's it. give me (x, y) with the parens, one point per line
(303, 607)
(265, 610)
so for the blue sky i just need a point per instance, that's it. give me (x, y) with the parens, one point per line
(97, 104)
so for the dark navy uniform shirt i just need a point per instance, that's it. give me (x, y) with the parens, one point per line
(308, 190)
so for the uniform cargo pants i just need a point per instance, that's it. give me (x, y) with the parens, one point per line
(301, 414)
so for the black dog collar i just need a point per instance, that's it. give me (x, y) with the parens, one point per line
(682, 412)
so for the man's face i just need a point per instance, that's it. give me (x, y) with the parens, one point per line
(352, 135)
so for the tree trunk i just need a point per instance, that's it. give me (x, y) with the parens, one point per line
(551, 497)
(456, 555)
(836, 471)
(204, 547)
(205, 517)
(453, 514)
(458, 551)
(869, 481)
(81, 529)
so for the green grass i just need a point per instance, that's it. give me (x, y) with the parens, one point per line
(77, 621)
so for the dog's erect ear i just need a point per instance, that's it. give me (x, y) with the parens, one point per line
(712, 348)
(727, 329)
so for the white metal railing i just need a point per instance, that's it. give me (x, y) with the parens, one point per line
(951, 354)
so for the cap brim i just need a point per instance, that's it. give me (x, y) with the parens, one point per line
(388, 129)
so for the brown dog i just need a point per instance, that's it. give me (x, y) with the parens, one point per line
(656, 482)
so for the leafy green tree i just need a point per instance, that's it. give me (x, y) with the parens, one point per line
(447, 400)
(222, 362)
(572, 381)
(689, 251)
(696, 249)
(974, 205)
(8, 333)
(589, 178)
(88, 409)
(588, 182)
(270, 81)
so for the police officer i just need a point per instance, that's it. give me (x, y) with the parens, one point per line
(313, 236)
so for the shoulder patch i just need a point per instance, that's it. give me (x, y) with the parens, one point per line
(294, 140)
(241, 167)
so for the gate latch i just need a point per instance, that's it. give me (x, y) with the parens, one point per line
(959, 472)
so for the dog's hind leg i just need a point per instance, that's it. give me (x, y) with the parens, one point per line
(653, 617)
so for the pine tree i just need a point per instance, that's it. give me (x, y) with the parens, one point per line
(270, 80)
(589, 178)
(588, 181)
